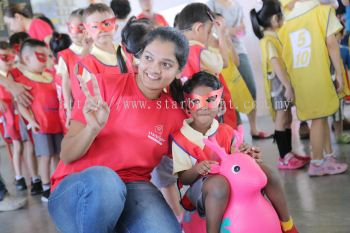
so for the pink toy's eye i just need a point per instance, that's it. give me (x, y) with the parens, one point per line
(236, 169)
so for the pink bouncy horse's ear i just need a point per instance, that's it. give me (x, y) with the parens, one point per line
(213, 144)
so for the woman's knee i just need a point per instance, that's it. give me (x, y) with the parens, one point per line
(217, 187)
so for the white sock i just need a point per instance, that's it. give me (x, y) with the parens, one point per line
(19, 177)
(329, 155)
(46, 187)
(35, 179)
(317, 162)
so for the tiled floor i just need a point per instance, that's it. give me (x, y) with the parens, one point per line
(318, 205)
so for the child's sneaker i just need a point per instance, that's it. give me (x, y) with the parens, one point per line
(21, 184)
(11, 203)
(45, 196)
(329, 167)
(290, 162)
(36, 188)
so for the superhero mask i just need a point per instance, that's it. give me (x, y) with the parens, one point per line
(16, 47)
(7, 57)
(211, 100)
(75, 29)
(107, 25)
(42, 57)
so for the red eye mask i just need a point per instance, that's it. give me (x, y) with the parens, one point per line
(42, 57)
(7, 57)
(75, 29)
(107, 25)
(16, 47)
(211, 100)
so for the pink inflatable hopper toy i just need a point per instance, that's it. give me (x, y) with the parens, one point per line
(248, 210)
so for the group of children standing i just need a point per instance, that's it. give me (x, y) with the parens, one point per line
(291, 61)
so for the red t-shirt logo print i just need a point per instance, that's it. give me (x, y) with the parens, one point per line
(159, 129)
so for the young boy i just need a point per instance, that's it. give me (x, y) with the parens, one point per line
(100, 24)
(10, 120)
(309, 47)
(147, 12)
(42, 115)
(68, 58)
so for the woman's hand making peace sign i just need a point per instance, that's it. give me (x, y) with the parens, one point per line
(96, 111)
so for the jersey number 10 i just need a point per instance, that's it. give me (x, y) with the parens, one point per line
(301, 46)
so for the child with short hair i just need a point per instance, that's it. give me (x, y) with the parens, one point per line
(68, 59)
(147, 12)
(100, 24)
(9, 119)
(192, 160)
(42, 115)
(308, 64)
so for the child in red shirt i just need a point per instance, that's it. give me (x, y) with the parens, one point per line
(147, 12)
(68, 59)
(42, 116)
(100, 25)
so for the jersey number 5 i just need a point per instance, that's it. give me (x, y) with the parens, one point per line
(301, 45)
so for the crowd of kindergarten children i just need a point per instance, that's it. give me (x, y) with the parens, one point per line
(120, 101)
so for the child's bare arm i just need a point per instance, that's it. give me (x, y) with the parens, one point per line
(189, 176)
(282, 75)
(334, 53)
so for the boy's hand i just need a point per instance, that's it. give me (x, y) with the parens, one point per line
(203, 168)
(254, 152)
(34, 126)
(339, 83)
(289, 94)
(21, 93)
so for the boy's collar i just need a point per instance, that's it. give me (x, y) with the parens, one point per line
(301, 8)
(44, 77)
(104, 56)
(3, 73)
(77, 49)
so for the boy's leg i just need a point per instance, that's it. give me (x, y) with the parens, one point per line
(146, 211)
(327, 138)
(216, 192)
(17, 164)
(90, 201)
(317, 138)
(275, 193)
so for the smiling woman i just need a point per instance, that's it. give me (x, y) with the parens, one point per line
(99, 156)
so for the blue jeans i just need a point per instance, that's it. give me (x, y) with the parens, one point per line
(96, 200)
(247, 74)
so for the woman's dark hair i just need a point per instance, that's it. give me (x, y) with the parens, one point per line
(18, 38)
(4, 45)
(77, 13)
(133, 38)
(59, 42)
(18, 8)
(45, 19)
(121, 8)
(193, 13)
(262, 19)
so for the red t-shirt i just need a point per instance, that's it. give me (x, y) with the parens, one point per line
(136, 136)
(157, 19)
(39, 29)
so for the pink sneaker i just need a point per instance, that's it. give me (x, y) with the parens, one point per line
(291, 162)
(302, 157)
(329, 167)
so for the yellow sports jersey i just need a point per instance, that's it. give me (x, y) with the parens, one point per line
(307, 60)
(239, 91)
(271, 47)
